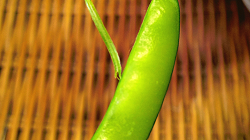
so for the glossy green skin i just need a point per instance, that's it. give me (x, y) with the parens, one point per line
(142, 88)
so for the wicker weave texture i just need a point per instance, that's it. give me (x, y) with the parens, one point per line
(57, 79)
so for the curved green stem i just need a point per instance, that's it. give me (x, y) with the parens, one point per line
(106, 38)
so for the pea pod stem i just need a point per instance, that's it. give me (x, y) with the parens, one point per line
(106, 38)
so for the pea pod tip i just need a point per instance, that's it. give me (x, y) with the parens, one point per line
(118, 75)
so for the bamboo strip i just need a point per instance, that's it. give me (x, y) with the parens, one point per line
(5, 107)
(168, 117)
(193, 45)
(2, 4)
(8, 41)
(221, 57)
(42, 95)
(78, 105)
(209, 46)
(55, 90)
(234, 35)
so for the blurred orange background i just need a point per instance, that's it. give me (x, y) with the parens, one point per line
(57, 79)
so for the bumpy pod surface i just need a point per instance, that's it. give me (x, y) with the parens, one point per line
(142, 88)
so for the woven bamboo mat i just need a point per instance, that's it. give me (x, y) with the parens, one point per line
(57, 79)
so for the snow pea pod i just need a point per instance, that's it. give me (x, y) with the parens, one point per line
(142, 88)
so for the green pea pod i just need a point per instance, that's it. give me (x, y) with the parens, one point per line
(142, 88)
